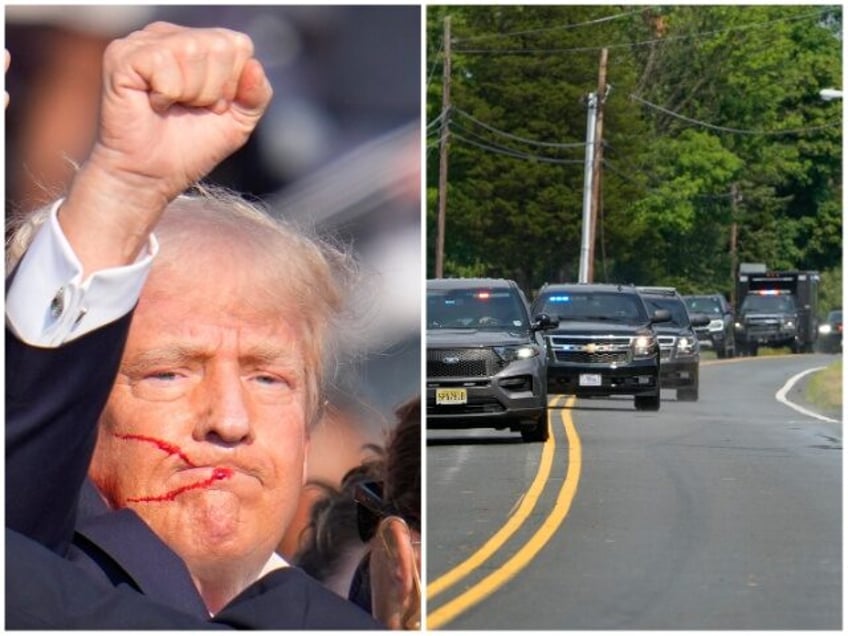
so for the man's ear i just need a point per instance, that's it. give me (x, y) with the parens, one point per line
(306, 445)
(394, 575)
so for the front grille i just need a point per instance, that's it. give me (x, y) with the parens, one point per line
(762, 326)
(463, 363)
(583, 357)
(666, 347)
(600, 350)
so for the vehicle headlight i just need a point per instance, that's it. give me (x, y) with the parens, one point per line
(643, 346)
(788, 324)
(716, 325)
(517, 352)
(739, 326)
(825, 329)
(686, 344)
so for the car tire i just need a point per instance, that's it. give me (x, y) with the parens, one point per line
(538, 432)
(647, 402)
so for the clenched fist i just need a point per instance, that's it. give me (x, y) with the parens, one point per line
(176, 102)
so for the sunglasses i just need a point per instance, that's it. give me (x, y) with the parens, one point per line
(370, 508)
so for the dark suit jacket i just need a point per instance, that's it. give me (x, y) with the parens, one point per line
(53, 400)
(44, 591)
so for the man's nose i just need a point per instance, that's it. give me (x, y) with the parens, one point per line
(225, 414)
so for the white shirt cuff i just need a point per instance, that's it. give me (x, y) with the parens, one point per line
(48, 303)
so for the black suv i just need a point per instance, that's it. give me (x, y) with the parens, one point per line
(604, 343)
(830, 333)
(718, 334)
(680, 353)
(485, 359)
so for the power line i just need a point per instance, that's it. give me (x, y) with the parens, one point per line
(561, 27)
(433, 67)
(437, 141)
(532, 142)
(489, 144)
(671, 38)
(515, 154)
(437, 120)
(736, 131)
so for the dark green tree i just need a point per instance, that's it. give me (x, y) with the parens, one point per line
(706, 101)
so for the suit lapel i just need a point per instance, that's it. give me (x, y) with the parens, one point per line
(125, 548)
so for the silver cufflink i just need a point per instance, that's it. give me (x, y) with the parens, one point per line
(57, 305)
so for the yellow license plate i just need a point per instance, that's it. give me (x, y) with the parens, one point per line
(451, 396)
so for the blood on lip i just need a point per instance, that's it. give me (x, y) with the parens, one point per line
(218, 473)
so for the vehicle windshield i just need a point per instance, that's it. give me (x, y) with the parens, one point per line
(475, 308)
(679, 317)
(705, 305)
(768, 303)
(593, 306)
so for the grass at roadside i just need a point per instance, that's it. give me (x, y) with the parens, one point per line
(825, 387)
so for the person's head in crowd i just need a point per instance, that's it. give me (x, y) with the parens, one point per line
(206, 431)
(390, 520)
(348, 435)
(330, 546)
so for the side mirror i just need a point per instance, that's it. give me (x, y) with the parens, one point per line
(699, 320)
(660, 315)
(542, 322)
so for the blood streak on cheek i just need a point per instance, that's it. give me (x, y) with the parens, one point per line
(170, 449)
(218, 473)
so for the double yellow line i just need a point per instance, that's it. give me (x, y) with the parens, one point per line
(529, 550)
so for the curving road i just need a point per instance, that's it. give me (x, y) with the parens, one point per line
(719, 514)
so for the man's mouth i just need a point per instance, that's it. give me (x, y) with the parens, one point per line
(218, 474)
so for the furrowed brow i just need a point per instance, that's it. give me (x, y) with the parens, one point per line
(168, 356)
(271, 355)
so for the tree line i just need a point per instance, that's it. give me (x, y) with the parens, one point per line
(717, 146)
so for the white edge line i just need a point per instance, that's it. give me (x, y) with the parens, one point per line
(781, 396)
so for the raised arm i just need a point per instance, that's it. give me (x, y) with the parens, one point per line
(175, 102)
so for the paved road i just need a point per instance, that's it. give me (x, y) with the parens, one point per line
(720, 514)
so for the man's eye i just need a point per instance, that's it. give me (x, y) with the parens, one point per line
(162, 376)
(269, 379)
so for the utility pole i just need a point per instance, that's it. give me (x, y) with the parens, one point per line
(598, 156)
(443, 153)
(734, 200)
(588, 165)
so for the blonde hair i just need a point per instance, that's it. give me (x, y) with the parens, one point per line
(305, 273)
